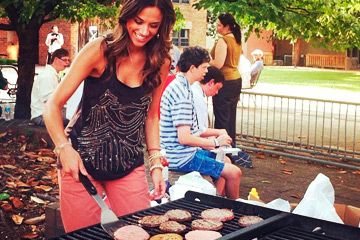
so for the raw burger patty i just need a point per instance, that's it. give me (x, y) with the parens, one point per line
(202, 235)
(131, 232)
(218, 214)
(178, 215)
(167, 236)
(206, 224)
(153, 220)
(172, 227)
(246, 221)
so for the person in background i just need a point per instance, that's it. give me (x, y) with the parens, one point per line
(225, 56)
(123, 75)
(244, 68)
(179, 129)
(207, 87)
(46, 83)
(175, 55)
(258, 64)
(54, 40)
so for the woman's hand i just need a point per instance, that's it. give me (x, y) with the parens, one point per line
(159, 184)
(71, 163)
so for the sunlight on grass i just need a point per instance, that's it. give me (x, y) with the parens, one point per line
(312, 77)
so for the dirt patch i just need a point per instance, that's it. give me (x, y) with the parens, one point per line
(289, 178)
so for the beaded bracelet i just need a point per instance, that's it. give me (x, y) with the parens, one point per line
(158, 165)
(154, 156)
(58, 149)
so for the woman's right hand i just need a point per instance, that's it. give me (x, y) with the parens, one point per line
(71, 163)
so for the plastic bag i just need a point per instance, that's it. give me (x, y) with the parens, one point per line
(192, 181)
(318, 201)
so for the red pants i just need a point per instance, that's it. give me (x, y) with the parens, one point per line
(125, 195)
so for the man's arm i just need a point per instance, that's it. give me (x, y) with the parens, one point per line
(186, 138)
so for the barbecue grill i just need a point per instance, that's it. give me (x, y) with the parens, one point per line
(277, 225)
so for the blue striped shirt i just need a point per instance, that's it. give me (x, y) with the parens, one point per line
(177, 109)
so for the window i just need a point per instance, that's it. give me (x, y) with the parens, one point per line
(181, 1)
(181, 38)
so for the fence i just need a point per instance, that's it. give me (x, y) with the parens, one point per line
(302, 128)
(325, 61)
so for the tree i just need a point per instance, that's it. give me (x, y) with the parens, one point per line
(26, 17)
(333, 23)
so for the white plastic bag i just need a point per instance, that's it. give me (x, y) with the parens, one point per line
(318, 201)
(192, 181)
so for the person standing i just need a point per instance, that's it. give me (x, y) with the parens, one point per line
(123, 75)
(54, 40)
(45, 84)
(225, 56)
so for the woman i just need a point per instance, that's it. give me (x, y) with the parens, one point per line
(225, 56)
(122, 76)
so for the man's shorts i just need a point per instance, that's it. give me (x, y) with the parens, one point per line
(203, 162)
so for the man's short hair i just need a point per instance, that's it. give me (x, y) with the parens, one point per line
(59, 53)
(192, 56)
(213, 73)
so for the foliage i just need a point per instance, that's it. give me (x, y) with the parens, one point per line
(332, 22)
(180, 20)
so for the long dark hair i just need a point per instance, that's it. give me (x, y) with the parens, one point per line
(157, 49)
(227, 19)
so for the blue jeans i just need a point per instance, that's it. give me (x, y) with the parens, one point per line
(203, 162)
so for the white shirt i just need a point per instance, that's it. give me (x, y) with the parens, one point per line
(244, 68)
(200, 106)
(44, 85)
(54, 44)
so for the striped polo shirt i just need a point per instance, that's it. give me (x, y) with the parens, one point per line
(177, 109)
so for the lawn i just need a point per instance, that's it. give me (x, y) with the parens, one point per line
(312, 77)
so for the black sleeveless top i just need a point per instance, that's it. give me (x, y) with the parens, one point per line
(108, 128)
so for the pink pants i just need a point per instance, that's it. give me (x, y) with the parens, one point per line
(125, 195)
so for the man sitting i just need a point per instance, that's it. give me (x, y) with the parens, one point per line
(179, 129)
(45, 84)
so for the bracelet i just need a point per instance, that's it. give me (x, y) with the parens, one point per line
(158, 165)
(152, 149)
(58, 149)
(154, 156)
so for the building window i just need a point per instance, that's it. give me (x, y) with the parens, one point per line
(180, 1)
(181, 38)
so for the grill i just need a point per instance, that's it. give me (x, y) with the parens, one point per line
(277, 225)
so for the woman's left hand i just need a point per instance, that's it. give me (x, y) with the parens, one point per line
(159, 184)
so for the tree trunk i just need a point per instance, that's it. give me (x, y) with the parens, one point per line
(28, 57)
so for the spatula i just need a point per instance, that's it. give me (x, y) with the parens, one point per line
(109, 221)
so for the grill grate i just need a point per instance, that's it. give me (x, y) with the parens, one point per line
(294, 233)
(276, 226)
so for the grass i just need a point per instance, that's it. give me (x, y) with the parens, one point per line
(341, 80)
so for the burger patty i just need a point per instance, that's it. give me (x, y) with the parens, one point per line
(218, 214)
(153, 220)
(202, 235)
(206, 224)
(167, 236)
(178, 215)
(131, 232)
(172, 227)
(246, 221)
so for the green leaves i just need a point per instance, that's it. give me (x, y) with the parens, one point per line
(335, 24)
